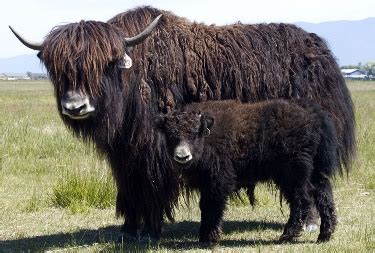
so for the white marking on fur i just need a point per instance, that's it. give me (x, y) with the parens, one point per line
(310, 228)
(182, 153)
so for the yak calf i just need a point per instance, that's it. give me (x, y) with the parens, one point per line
(220, 147)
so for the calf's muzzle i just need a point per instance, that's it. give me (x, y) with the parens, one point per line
(182, 153)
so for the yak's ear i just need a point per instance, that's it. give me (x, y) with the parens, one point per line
(207, 123)
(129, 51)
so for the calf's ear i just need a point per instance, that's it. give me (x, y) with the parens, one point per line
(207, 123)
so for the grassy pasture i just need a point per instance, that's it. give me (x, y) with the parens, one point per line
(56, 194)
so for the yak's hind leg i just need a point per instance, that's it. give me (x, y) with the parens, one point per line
(295, 186)
(324, 201)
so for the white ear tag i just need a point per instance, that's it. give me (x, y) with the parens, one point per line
(207, 132)
(127, 62)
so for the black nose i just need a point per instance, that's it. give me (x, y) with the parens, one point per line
(76, 105)
(182, 158)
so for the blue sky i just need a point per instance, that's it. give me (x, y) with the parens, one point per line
(35, 18)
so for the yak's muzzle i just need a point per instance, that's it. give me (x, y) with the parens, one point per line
(76, 105)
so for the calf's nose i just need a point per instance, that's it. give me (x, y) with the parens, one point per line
(182, 153)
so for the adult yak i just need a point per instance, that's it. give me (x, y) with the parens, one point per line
(103, 101)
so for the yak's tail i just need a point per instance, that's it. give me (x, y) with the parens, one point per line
(345, 128)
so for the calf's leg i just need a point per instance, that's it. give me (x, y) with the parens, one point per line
(324, 201)
(299, 203)
(212, 209)
(293, 180)
(312, 220)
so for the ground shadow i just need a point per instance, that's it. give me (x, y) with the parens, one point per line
(180, 235)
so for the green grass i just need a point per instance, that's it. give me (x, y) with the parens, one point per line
(81, 191)
(56, 193)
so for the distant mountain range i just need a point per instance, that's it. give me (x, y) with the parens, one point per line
(350, 41)
(21, 64)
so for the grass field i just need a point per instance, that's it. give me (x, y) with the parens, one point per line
(56, 194)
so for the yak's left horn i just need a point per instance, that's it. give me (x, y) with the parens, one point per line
(29, 44)
(133, 41)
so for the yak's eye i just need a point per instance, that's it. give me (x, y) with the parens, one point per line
(113, 63)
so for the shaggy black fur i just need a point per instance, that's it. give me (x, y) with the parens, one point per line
(181, 62)
(233, 145)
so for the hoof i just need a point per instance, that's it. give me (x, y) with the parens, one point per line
(211, 239)
(126, 237)
(148, 236)
(284, 239)
(147, 239)
(310, 228)
(208, 244)
(287, 238)
(323, 238)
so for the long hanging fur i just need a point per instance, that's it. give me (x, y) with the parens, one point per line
(78, 53)
(182, 62)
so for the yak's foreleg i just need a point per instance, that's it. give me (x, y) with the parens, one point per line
(132, 225)
(151, 231)
(126, 208)
(130, 229)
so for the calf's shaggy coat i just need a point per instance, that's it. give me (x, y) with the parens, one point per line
(229, 145)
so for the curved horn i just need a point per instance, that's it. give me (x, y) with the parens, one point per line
(29, 44)
(133, 41)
